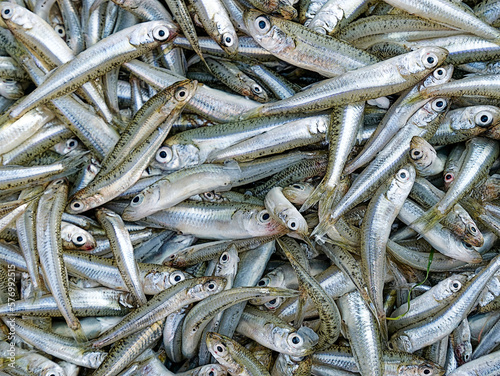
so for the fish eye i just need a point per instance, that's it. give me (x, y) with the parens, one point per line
(180, 94)
(161, 33)
(426, 371)
(430, 60)
(448, 178)
(211, 373)
(297, 186)
(60, 30)
(220, 348)
(292, 224)
(211, 286)
(78, 240)
(262, 23)
(466, 357)
(224, 258)
(273, 304)
(466, 245)
(72, 143)
(472, 229)
(483, 119)
(264, 216)
(59, 181)
(456, 285)
(137, 200)
(257, 89)
(7, 12)
(263, 282)
(164, 154)
(76, 206)
(209, 195)
(438, 73)
(295, 339)
(439, 105)
(415, 154)
(176, 277)
(403, 175)
(227, 40)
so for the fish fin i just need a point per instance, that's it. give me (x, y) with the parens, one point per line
(427, 221)
(315, 196)
(320, 230)
(250, 114)
(80, 335)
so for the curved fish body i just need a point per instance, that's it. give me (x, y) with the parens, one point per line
(373, 81)
(97, 60)
(428, 331)
(208, 220)
(302, 47)
(377, 223)
(166, 302)
(237, 359)
(449, 13)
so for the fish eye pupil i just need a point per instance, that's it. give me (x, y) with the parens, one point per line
(211, 286)
(163, 154)
(161, 33)
(7, 11)
(293, 224)
(265, 216)
(220, 349)
(430, 60)
(484, 118)
(403, 175)
(455, 285)
(416, 152)
(426, 372)
(448, 177)
(272, 301)
(211, 373)
(295, 340)
(76, 205)
(79, 239)
(224, 258)
(261, 283)
(182, 94)
(135, 199)
(177, 278)
(440, 104)
(228, 40)
(262, 24)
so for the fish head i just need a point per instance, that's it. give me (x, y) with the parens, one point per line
(401, 342)
(421, 152)
(80, 204)
(258, 222)
(401, 185)
(419, 63)
(220, 347)
(16, 16)
(212, 370)
(207, 286)
(300, 343)
(94, 358)
(267, 33)
(152, 33)
(143, 204)
(10, 88)
(177, 156)
(426, 368)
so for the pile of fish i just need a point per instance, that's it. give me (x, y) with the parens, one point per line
(249, 187)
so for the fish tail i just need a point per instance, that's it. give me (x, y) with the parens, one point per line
(250, 114)
(79, 335)
(427, 221)
(314, 197)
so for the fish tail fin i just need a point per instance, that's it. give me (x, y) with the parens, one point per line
(314, 197)
(427, 221)
(252, 113)
(79, 335)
